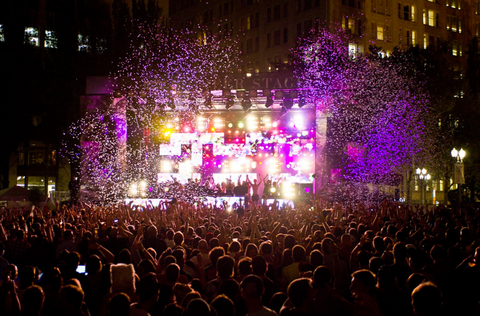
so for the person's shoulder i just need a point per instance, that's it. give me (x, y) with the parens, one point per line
(265, 311)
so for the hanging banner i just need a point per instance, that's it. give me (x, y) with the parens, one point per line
(458, 173)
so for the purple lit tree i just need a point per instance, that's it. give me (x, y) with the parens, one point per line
(375, 106)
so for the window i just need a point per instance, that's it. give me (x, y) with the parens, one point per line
(453, 27)
(373, 6)
(413, 12)
(249, 46)
(425, 41)
(454, 48)
(374, 30)
(431, 18)
(380, 32)
(285, 35)
(276, 12)
(285, 9)
(400, 36)
(477, 7)
(448, 23)
(257, 44)
(50, 39)
(307, 4)
(249, 22)
(440, 185)
(31, 36)
(406, 12)
(416, 184)
(308, 25)
(256, 21)
(276, 38)
(225, 8)
(460, 49)
(351, 25)
(388, 35)
(459, 25)
(407, 32)
(414, 38)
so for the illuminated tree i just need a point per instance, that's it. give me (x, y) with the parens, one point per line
(376, 106)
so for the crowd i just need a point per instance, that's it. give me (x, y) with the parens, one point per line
(195, 259)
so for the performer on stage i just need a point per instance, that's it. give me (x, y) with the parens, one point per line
(255, 185)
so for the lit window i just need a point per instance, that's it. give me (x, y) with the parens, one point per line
(351, 26)
(352, 50)
(454, 48)
(459, 25)
(477, 7)
(414, 37)
(380, 32)
(83, 45)
(412, 13)
(431, 18)
(31, 36)
(50, 39)
(249, 23)
(440, 185)
(448, 23)
(425, 41)
(424, 16)
(416, 185)
(454, 24)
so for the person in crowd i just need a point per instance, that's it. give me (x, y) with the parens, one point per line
(252, 290)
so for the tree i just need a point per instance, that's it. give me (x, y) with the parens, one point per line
(376, 106)
(165, 73)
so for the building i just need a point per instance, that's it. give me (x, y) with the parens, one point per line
(51, 47)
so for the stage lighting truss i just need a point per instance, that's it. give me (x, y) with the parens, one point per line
(229, 103)
(246, 104)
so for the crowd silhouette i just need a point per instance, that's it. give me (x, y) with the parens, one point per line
(181, 258)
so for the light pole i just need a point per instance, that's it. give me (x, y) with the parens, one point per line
(423, 176)
(458, 170)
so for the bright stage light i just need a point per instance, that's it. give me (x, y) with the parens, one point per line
(299, 122)
(230, 125)
(185, 167)
(240, 125)
(166, 166)
(273, 190)
(288, 190)
(253, 165)
(133, 189)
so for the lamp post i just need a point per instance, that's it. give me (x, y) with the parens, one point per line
(423, 176)
(458, 170)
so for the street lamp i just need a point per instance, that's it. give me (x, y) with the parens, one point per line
(423, 176)
(458, 154)
(458, 170)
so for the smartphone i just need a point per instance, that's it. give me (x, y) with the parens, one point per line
(115, 221)
(235, 239)
(81, 269)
